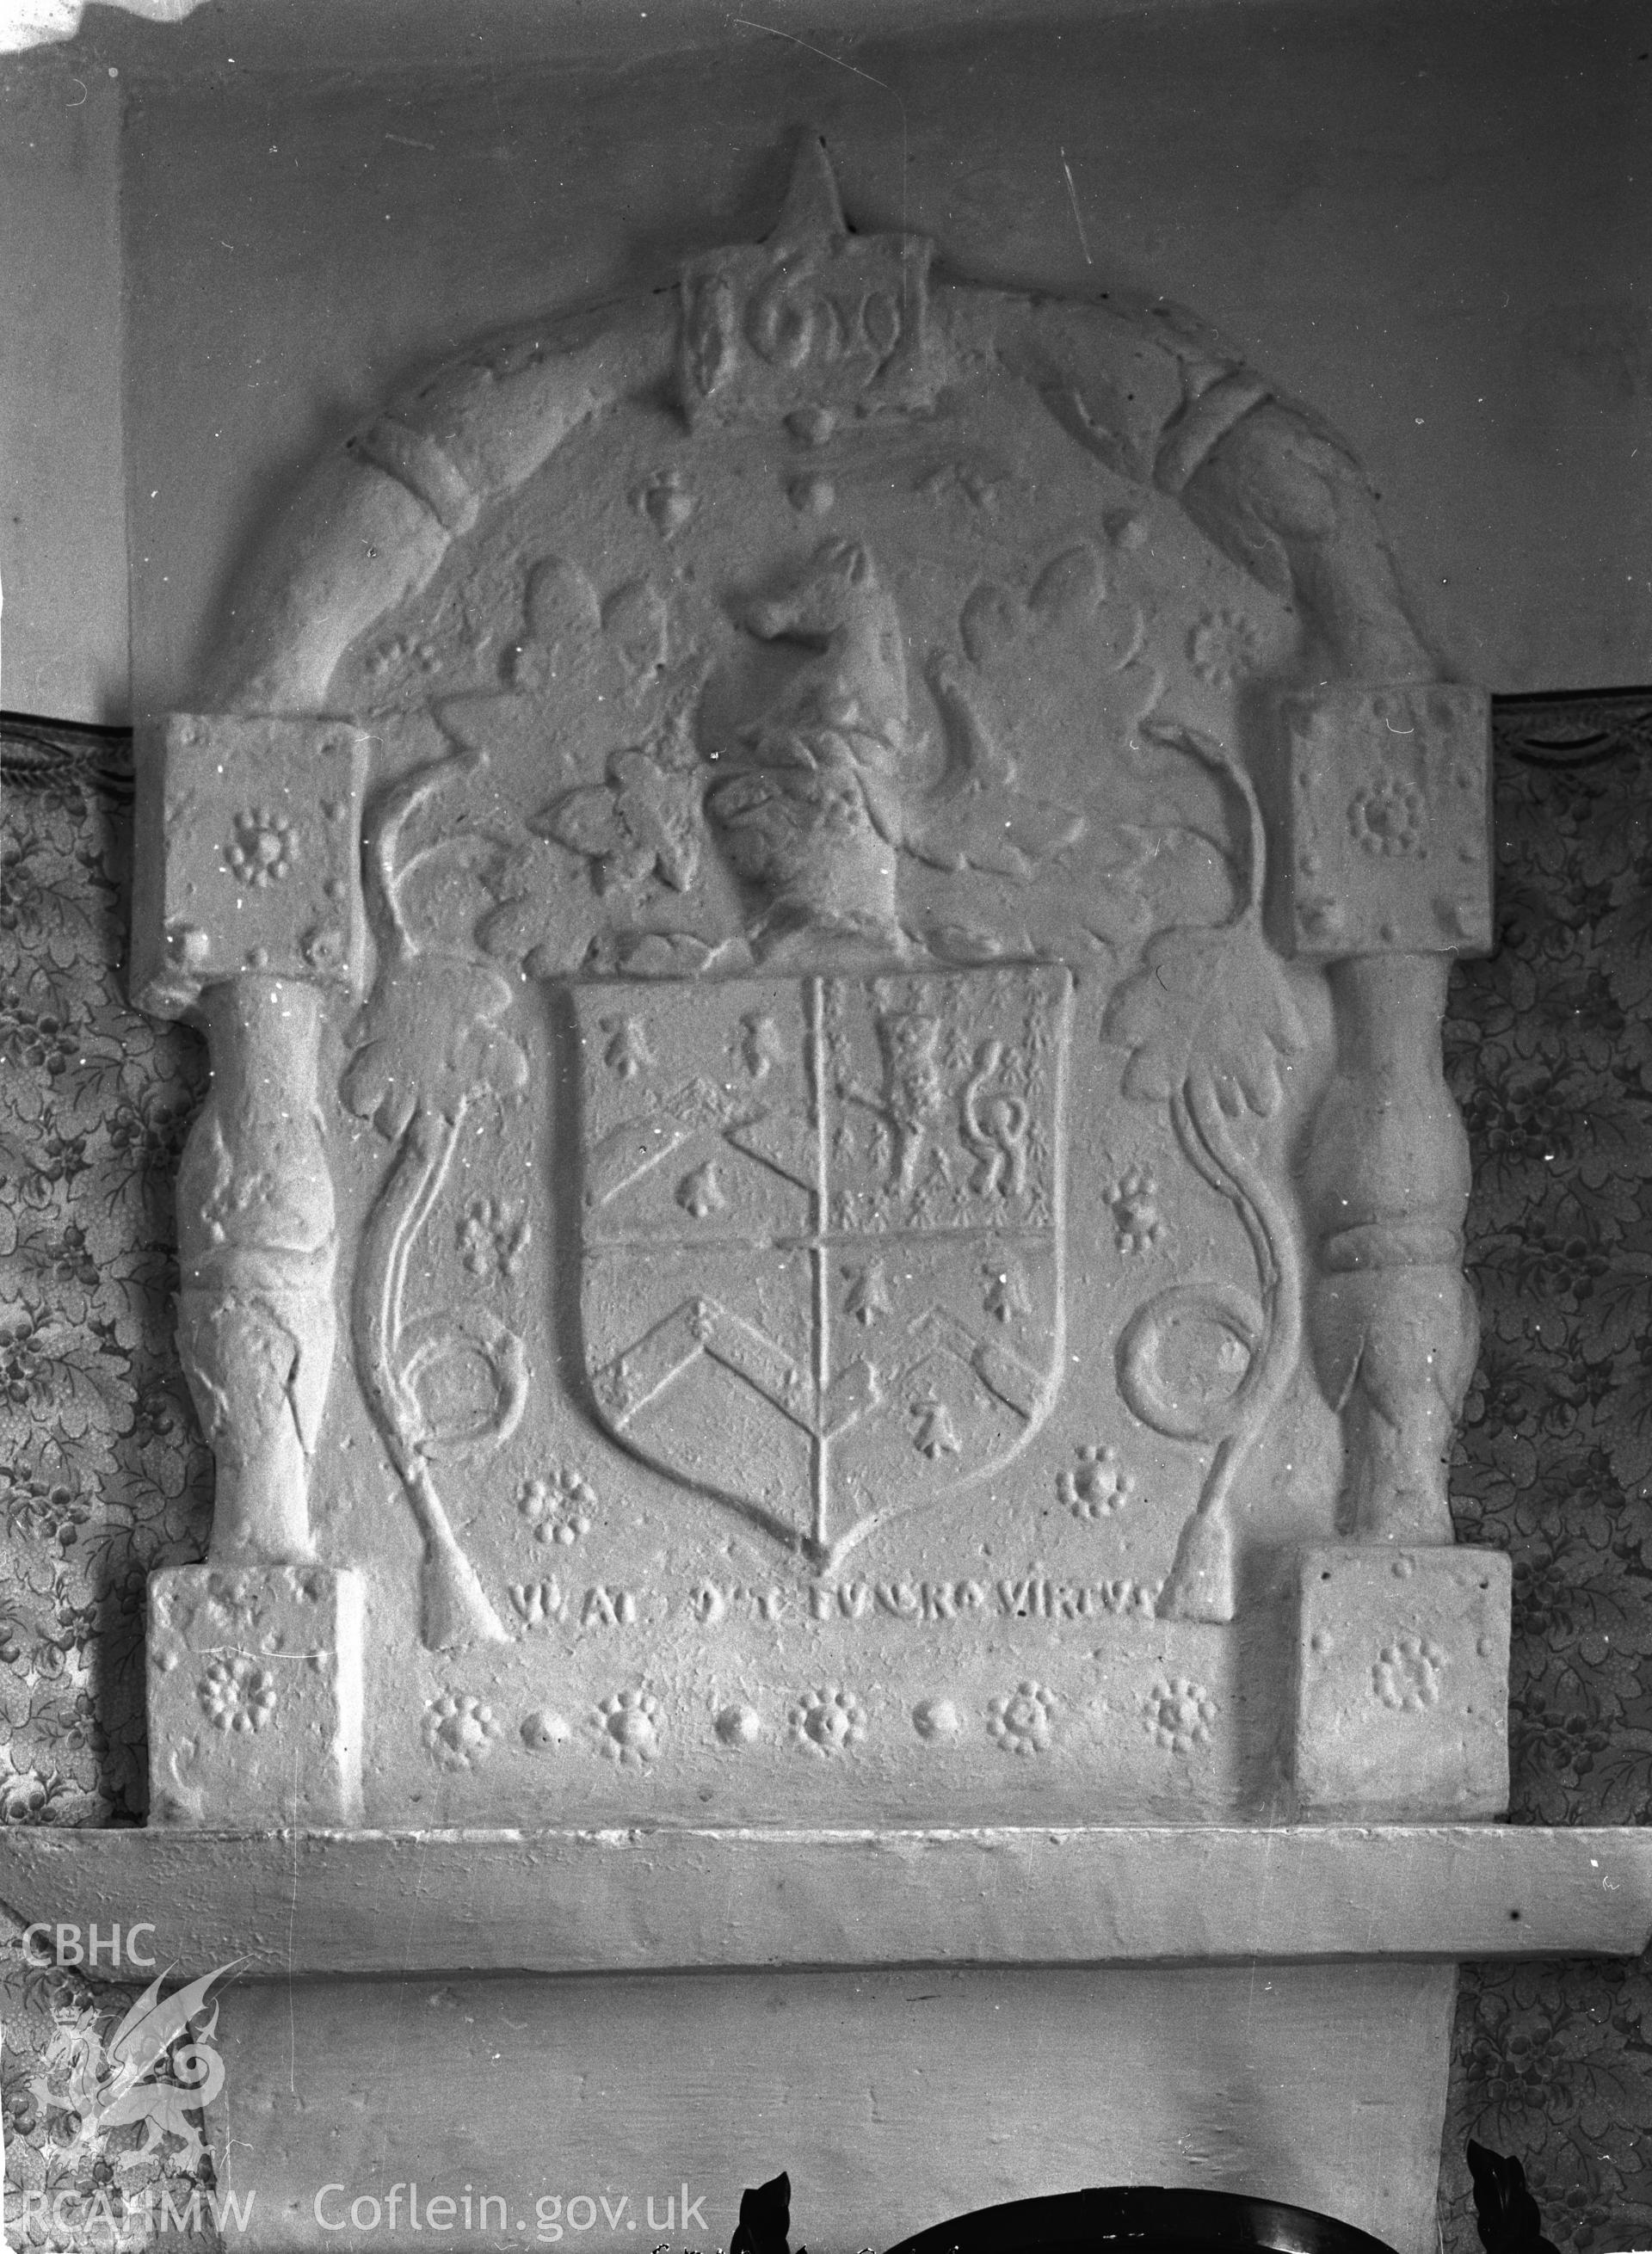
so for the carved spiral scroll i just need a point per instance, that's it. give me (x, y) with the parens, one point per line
(472, 1333)
(1201, 1585)
(392, 1353)
(1148, 1386)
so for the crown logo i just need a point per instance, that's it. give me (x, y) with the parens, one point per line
(814, 321)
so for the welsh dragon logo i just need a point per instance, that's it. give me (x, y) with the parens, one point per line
(157, 2071)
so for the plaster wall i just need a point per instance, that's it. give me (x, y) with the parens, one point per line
(894, 2098)
(1429, 222)
(62, 516)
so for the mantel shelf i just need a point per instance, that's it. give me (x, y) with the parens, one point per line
(654, 1900)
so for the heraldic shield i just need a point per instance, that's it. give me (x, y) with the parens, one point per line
(821, 1234)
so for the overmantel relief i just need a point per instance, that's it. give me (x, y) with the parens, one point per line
(822, 908)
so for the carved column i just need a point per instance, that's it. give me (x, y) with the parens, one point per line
(1391, 1318)
(247, 911)
(1389, 878)
(257, 1250)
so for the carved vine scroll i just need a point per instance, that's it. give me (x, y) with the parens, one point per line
(1210, 1024)
(427, 1049)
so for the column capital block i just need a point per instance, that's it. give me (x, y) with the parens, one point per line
(1388, 827)
(248, 854)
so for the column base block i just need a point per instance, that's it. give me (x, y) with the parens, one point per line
(254, 1696)
(1402, 1684)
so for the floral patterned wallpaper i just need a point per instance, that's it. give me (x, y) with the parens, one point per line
(103, 1472)
(1549, 1050)
(104, 1476)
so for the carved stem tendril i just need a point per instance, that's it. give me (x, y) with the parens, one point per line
(455, 1607)
(1218, 1158)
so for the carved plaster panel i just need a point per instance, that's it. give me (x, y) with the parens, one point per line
(248, 1666)
(1402, 1681)
(884, 1142)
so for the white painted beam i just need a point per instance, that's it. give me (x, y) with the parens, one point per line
(653, 1900)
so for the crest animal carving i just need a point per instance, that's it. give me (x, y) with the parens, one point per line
(811, 815)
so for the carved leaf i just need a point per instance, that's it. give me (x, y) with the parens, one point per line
(538, 907)
(667, 954)
(643, 821)
(974, 817)
(1073, 586)
(658, 810)
(1210, 1003)
(563, 619)
(989, 623)
(968, 943)
(635, 618)
(428, 1038)
(589, 822)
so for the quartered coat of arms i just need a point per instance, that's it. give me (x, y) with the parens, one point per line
(867, 1139)
(822, 903)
